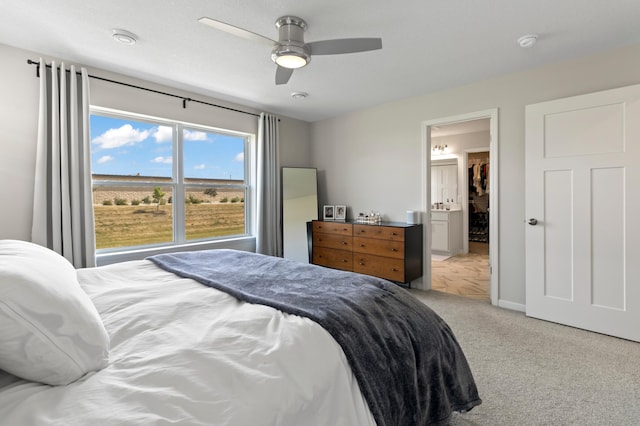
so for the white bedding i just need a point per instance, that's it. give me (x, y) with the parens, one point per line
(182, 353)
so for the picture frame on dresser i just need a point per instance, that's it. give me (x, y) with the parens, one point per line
(328, 213)
(340, 213)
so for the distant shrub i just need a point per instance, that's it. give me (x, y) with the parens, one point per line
(235, 199)
(210, 192)
(224, 200)
(107, 203)
(170, 200)
(194, 200)
(146, 200)
(120, 201)
(135, 202)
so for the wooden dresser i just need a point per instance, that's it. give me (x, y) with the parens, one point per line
(389, 250)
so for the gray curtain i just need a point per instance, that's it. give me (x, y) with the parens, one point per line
(269, 197)
(62, 201)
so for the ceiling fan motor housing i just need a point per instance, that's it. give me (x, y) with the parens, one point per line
(291, 39)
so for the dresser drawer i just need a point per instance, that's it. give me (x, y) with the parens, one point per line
(338, 259)
(382, 232)
(387, 248)
(383, 267)
(335, 241)
(339, 228)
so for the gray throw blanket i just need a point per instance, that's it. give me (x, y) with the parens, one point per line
(408, 364)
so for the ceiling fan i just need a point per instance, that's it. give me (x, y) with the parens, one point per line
(290, 51)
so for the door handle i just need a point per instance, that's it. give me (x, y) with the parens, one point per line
(532, 222)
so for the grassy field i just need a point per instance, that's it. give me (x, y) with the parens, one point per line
(125, 226)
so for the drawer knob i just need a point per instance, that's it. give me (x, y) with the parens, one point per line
(362, 263)
(394, 249)
(344, 243)
(394, 269)
(361, 245)
(394, 234)
(344, 260)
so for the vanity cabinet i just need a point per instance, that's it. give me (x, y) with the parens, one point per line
(446, 232)
(392, 251)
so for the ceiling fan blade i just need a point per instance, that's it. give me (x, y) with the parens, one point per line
(344, 45)
(236, 31)
(283, 74)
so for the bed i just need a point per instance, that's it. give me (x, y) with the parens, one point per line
(219, 337)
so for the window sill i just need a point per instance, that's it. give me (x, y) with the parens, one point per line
(240, 243)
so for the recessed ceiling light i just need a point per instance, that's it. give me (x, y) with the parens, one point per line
(299, 95)
(124, 36)
(528, 40)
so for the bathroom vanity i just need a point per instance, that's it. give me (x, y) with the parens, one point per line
(446, 232)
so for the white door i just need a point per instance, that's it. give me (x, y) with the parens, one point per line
(583, 189)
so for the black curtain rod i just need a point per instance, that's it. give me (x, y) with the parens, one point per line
(184, 99)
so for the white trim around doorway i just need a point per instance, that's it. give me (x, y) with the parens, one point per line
(492, 115)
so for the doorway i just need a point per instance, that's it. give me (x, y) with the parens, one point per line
(467, 264)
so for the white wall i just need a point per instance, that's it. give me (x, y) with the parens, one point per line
(371, 159)
(18, 126)
(19, 87)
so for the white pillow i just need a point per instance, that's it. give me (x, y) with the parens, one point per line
(50, 331)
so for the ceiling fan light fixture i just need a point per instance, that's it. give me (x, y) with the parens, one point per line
(291, 61)
(290, 56)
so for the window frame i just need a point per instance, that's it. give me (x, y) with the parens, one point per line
(179, 185)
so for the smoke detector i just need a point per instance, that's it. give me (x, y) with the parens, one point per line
(124, 36)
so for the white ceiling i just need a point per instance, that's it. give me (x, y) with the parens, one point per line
(428, 45)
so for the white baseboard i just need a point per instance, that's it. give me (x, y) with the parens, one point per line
(511, 305)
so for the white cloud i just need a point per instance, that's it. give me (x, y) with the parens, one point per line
(105, 159)
(240, 157)
(194, 135)
(162, 160)
(163, 134)
(199, 167)
(125, 135)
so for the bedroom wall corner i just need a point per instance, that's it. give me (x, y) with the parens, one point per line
(19, 125)
(295, 143)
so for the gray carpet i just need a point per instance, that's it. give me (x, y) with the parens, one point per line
(532, 372)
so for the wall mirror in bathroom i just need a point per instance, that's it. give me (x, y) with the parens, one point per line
(444, 181)
(299, 205)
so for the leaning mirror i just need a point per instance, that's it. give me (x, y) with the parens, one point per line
(299, 206)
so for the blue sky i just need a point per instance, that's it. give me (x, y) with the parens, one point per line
(128, 147)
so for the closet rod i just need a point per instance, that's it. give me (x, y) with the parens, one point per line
(473, 161)
(184, 99)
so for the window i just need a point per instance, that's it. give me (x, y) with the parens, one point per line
(158, 182)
